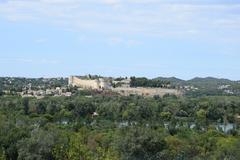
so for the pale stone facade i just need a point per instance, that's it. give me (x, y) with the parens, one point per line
(88, 83)
(147, 91)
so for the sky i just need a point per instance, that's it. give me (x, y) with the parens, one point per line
(150, 38)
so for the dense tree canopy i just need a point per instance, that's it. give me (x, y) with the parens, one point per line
(144, 82)
(103, 127)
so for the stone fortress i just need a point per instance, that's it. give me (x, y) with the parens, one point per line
(124, 89)
(95, 84)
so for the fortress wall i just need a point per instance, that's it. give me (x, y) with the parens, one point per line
(88, 84)
(147, 91)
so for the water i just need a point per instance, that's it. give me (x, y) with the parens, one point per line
(225, 128)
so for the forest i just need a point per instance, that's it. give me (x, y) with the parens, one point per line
(94, 126)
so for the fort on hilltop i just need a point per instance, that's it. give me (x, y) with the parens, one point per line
(97, 84)
(125, 90)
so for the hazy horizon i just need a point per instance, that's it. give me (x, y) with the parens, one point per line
(144, 38)
(120, 76)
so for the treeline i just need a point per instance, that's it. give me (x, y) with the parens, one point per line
(93, 126)
(13, 85)
(144, 82)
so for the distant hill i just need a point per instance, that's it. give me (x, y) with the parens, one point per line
(210, 79)
(205, 86)
(209, 82)
(198, 81)
(172, 80)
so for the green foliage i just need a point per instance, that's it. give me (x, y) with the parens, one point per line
(2, 155)
(78, 148)
(166, 116)
(134, 127)
(14, 85)
(25, 103)
(144, 82)
(140, 144)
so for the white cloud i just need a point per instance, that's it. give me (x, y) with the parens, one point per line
(133, 42)
(141, 17)
(41, 40)
(115, 40)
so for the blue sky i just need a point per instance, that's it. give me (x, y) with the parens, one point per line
(48, 38)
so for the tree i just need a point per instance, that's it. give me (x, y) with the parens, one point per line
(52, 108)
(2, 155)
(227, 148)
(10, 134)
(78, 149)
(141, 144)
(25, 103)
(166, 116)
(40, 144)
(41, 107)
(201, 119)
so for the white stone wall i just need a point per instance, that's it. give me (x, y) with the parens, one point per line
(146, 91)
(87, 84)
